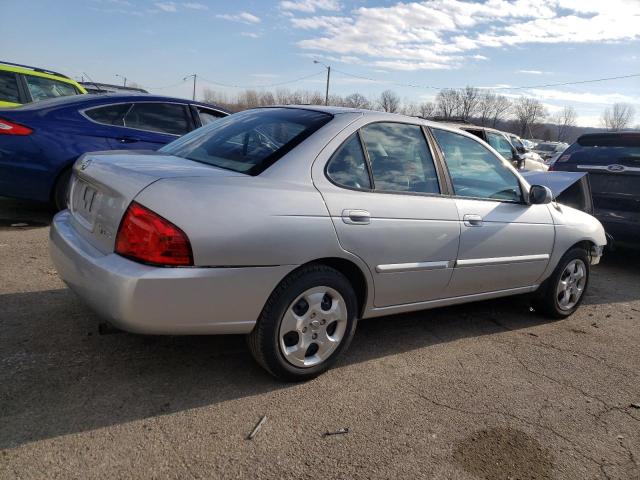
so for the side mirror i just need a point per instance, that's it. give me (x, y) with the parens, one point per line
(539, 195)
(521, 150)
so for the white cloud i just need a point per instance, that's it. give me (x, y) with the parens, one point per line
(250, 34)
(441, 34)
(195, 6)
(242, 17)
(310, 6)
(582, 97)
(166, 6)
(532, 72)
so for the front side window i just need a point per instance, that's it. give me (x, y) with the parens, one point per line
(249, 141)
(348, 166)
(109, 114)
(43, 88)
(171, 118)
(9, 87)
(475, 171)
(500, 144)
(400, 158)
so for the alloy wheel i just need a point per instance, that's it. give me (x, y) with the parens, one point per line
(313, 326)
(571, 284)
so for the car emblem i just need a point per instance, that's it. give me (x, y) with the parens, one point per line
(616, 168)
(85, 163)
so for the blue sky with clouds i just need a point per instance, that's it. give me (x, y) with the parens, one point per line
(405, 46)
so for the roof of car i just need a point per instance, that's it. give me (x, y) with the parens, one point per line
(106, 98)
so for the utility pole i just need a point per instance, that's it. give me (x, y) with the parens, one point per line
(195, 76)
(326, 95)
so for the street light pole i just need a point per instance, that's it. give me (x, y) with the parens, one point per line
(195, 76)
(328, 67)
(124, 79)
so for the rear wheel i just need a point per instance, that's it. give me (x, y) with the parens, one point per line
(561, 294)
(60, 190)
(309, 319)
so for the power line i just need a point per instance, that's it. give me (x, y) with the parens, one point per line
(577, 82)
(268, 85)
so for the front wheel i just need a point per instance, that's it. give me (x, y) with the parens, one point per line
(561, 294)
(309, 319)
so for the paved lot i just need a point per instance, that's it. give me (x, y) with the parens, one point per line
(488, 390)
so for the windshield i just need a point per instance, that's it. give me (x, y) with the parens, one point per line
(250, 141)
(546, 147)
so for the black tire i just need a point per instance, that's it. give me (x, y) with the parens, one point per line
(264, 341)
(546, 300)
(60, 190)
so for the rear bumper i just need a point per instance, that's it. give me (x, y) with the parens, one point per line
(163, 301)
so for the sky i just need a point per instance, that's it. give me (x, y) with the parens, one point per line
(412, 48)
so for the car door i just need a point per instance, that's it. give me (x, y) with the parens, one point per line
(383, 192)
(505, 243)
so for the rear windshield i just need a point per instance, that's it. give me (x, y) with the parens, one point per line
(250, 141)
(546, 147)
(606, 151)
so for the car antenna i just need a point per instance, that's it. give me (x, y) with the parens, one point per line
(94, 83)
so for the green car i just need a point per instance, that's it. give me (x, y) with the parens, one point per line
(21, 84)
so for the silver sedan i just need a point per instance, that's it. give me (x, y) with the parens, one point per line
(291, 223)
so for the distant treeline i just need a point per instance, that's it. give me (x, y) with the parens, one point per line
(524, 116)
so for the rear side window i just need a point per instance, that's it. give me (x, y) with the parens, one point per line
(249, 141)
(109, 114)
(475, 171)
(171, 118)
(400, 158)
(348, 166)
(207, 116)
(9, 87)
(43, 88)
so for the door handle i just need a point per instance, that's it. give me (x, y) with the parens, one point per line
(127, 140)
(472, 220)
(356, 217)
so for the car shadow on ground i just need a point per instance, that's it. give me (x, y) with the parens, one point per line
(24, 213)
(59, 376)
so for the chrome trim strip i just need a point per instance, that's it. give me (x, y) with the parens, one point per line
(477, 262)
(623, 168)
(412, 267)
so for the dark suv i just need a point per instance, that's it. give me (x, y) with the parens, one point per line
(613, 163)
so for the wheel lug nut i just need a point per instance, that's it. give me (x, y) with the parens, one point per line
(304, 330)
(314, 336)
(323, 321)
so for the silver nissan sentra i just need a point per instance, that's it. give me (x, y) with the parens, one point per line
(291, 223)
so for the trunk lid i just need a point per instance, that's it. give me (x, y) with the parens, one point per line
(103, 185)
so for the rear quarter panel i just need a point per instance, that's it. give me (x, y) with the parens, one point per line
(246, 221)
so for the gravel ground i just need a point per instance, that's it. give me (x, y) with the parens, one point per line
(487, 390)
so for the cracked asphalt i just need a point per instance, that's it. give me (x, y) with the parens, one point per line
(486, 390)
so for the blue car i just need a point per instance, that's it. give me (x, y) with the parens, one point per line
(39, 142)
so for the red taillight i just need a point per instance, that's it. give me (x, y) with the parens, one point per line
(147, 237)
(10, 128)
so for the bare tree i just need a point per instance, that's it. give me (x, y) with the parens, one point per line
(266, 99)
(389, 101)
(502, 108)
(565, 120)
(619, 117)
(485, 108)
(528, 112)
(357, 100)
(468, 102)
(410, 109)
(447, 103)
(427, 109)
